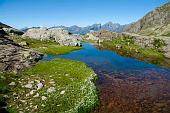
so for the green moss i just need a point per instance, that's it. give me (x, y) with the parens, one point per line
(46, 46)
(73, 78)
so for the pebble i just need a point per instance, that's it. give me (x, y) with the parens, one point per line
(32, 92)
(43, 105)
(12, 84)
(23, 101)
(62, 92)
(35, 107)
(51, 89)
(28, 86)
(52, 82)
(39, 86)
(37, 95)
(44, 98)
(37, 81)
(27, 95)
(31, 82)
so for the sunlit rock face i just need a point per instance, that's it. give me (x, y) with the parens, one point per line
(61, 36)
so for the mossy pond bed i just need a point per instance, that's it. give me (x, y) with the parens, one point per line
(125, 85)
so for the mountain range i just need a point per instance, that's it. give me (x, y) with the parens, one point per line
(109, 26)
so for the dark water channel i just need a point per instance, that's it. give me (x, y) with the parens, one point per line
(125, 85)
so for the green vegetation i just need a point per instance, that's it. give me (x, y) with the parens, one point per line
(126, 47)
(158, 43)
(46, 46)
(57, 86)
(71, 81)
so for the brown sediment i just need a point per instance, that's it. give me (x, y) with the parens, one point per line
(134, 94)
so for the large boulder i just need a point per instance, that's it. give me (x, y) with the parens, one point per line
(14, 57)
(61, 36)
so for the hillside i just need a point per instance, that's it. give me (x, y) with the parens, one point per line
(156, 22)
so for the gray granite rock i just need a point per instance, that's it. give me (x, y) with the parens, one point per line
(61, 36)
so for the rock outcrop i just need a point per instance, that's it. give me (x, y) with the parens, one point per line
(14, 57)
(61, 36)
(144, 41)
(155, 23)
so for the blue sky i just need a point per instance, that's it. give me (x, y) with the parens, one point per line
(28, 13)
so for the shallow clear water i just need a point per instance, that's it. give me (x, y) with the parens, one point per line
(125, 84)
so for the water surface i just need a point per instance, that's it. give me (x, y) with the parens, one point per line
(126, 85)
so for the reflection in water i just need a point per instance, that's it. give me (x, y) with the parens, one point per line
(126, 85)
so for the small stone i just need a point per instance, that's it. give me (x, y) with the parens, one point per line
(37, 81)
(27, 95)
(35, 107)
(32, 92)
(28, 86)
(21, 112)
(62, 92)
(37, 95)
(43, 105)
(31, 82)
(14, 93)
(12, 84)
(52, 82)
(23, 101)
(51, 89)
(39, 86)
(44, 98)
(24, 43)
(66, 74)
